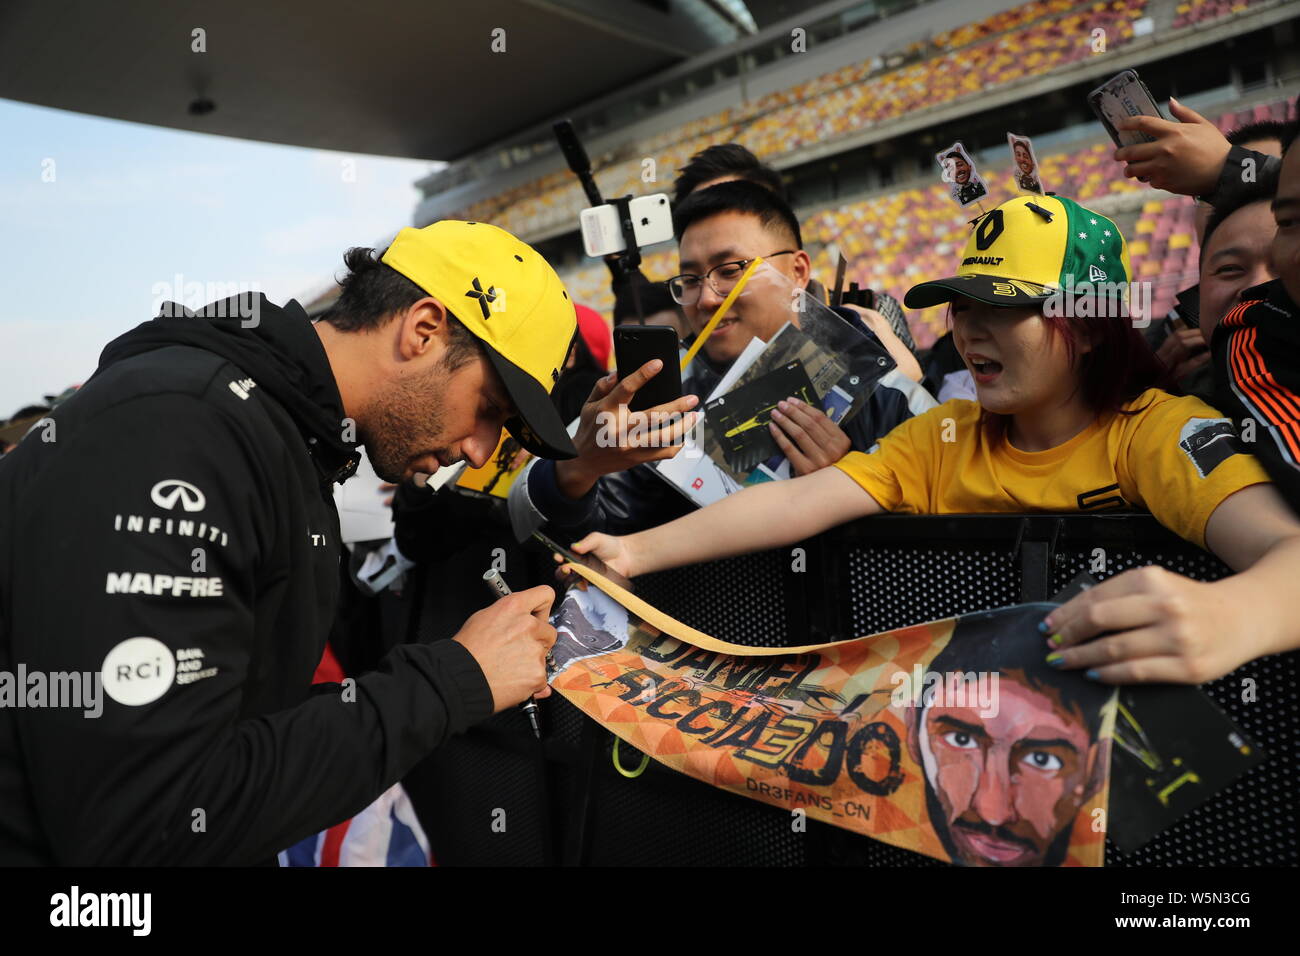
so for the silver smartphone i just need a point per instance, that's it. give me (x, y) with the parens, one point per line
(1124, 95)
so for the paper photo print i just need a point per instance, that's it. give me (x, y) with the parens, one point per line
(1024, 164)
(959, 175)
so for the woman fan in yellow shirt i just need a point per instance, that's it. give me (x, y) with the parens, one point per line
(1067, 419)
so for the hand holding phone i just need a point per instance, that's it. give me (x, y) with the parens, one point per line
(1120, 97)
(1184, 155)
(614, 432)
(634, 345)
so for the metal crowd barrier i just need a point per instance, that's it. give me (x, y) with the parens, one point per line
(494, 796)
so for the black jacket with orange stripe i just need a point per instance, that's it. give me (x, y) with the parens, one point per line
(1256, 352)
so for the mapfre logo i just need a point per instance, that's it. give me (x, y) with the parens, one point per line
(169, 491)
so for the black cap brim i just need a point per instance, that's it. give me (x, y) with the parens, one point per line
(984, 288)
(538, 427)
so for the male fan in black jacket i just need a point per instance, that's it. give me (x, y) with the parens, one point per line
(170, 532)
(614, 488)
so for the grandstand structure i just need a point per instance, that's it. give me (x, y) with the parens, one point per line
(854, 120)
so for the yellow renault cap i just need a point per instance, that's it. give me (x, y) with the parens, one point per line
(1028, 249)
(505, 293)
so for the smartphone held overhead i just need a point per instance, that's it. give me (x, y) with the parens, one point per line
(1121, 96)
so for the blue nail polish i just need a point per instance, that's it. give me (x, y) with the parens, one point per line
(1044, 627)
(1092, 675)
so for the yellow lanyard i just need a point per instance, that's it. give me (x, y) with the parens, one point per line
(722, 310)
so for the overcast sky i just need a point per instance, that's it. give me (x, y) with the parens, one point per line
(98, 217)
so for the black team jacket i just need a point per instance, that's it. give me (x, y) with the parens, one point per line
(171, 535)
(1256, 351)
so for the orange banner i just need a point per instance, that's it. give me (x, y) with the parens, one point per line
(954, 739)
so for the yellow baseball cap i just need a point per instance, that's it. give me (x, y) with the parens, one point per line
(505, 293)
(1028, 249)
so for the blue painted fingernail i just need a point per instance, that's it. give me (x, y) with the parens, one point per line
(1056, 659)
(1044, 627)
(1092, 675)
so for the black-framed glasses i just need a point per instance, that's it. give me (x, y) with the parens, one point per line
(722, 278)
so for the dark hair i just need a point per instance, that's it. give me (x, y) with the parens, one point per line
(725, 159)
(957, 154)
(979, 643)
(371, 293)
(737, 196)
(654, 297)
(1266, 129)
(27, 411)
(1260, 191)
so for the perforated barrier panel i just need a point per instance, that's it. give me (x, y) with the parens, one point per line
(869, 576)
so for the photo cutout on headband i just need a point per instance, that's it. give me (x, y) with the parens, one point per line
(1024, 164)
(960, 176)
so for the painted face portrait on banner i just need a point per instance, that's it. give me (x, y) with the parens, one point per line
(1004, 785)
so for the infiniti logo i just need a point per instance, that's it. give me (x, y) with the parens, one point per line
(167, 492)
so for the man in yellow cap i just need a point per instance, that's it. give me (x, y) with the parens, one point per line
(170, 572)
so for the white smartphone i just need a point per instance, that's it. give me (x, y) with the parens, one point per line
(652, 222)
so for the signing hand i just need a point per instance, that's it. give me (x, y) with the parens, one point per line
(1168, 629)
(807, 437)
(510, 639)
